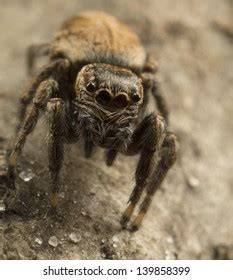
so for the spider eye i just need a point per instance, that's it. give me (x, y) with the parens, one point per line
(90, 87)
(121, 100)
(135, 97)
(104, 97)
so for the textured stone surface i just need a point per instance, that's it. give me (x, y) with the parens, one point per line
(193, 42)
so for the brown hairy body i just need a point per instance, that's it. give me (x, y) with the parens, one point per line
(97, 37)
(95, 90)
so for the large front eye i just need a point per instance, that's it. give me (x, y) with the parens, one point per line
(90, 87)
(121, 100)
(135, 97)
(103, 97)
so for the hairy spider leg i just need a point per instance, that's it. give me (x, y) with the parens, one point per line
(58, 67)
(56, 117)
(151, 84)
(47, 89)
(168, 158)
(147, 140)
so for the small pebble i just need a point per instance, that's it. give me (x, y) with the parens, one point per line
(193, 182)
(26, 176)
(103, 255)
(83, 212)
(38, 241)
(53, 241)
(114, 245)
(115, 239)
(103, 241)
(2, 206)
(170, 240)
(75, 238)
(169, 255)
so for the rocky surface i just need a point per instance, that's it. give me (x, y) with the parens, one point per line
(191, 216)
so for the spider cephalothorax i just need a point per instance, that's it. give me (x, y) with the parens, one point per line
(96, 89)
(112, 87)
(107, 101)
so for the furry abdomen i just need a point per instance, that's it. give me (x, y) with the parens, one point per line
(97, 37)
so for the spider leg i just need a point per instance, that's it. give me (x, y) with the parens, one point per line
(56, 114)
(56, 68)
(146, 90)
(33, 52)
(28, 95)
(151, 64)
(43, 93)
(151, 67)
(120, 143)
(111, 155)
(168, 158)
(147, 139)
(160, 100)
(45, 87)
(151, 83)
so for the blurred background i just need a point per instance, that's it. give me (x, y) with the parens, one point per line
(191, 216)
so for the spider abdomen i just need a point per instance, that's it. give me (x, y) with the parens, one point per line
(93, 37)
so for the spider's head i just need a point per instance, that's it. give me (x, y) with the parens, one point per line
(109, 87)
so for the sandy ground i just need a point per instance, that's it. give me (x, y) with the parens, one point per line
(191, 216)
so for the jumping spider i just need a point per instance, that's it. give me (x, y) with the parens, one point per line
(95, 89)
